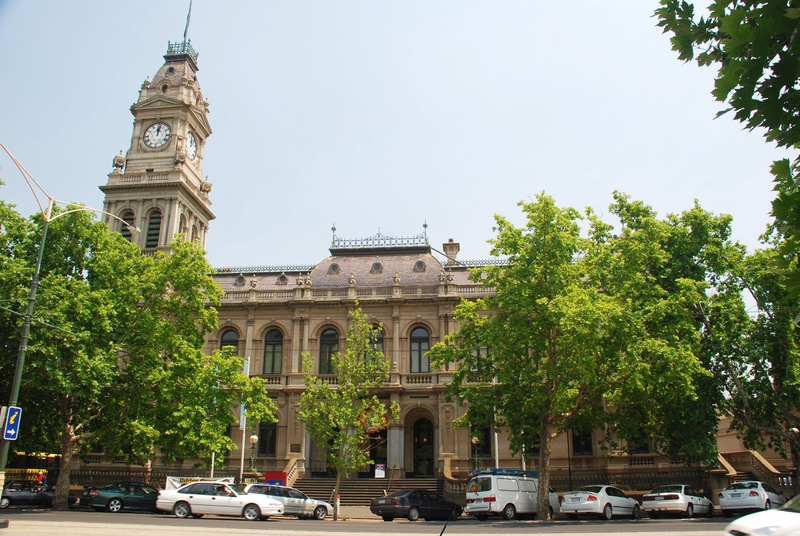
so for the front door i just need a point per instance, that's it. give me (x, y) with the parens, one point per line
(423, 448)
(378, 451)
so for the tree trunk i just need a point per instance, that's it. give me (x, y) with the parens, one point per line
(543, 500)
(61, 499)
(336, 496)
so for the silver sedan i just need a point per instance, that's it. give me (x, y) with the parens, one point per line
(679, 499)
(603, 501)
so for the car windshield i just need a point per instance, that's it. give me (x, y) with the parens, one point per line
(743, 485)
(239, 488)
(590, 489)
(667, 489)
(792, 505)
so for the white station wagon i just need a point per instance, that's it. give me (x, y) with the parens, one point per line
(199, 498)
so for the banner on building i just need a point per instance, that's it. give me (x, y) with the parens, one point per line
(174, 482)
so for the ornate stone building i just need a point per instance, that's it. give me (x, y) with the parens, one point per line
(275, 314)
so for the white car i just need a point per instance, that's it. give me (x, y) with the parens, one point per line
(603, 501)
(199, 498)
(295, 502)
(505, 492)
(677, 499)
(749, 495)
(784, 521)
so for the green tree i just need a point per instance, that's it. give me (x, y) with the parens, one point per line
(340, 414)
(754, 45)
(590, 331)
(115, 353)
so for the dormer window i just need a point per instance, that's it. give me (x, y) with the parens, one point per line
(419, 266)
(240, 280)
(377, 268)
(164, 89)
(282, 280)
(333, 269)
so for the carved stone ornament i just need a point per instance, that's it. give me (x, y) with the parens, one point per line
(119, 163)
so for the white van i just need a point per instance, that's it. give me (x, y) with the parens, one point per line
(506, 492)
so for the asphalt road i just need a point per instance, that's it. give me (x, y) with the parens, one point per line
(84, 523)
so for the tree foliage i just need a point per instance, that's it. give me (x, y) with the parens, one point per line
(115, 354)
(340, 414)
(589, 330)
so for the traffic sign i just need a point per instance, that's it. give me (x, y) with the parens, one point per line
(11, 429)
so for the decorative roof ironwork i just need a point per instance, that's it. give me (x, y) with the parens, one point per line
(266, 269)
(380, 240)
(181, 48)
(478, 263)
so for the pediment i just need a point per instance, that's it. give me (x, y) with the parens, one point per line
(156, 102)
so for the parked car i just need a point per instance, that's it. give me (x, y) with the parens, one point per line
(199, 498)
(677, 499)
(414, 504)
(295, 502)
(784, 521)
(29, 493)
(120, 496)
(603, 501)
(506, 492)
(747, 496)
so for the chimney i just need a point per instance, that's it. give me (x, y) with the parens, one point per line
(451, 249)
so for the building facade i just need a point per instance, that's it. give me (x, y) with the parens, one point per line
(274, 315)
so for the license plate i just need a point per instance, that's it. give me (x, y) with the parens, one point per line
(478, 500)
(735, 495)
(381, 501)
(574, 499)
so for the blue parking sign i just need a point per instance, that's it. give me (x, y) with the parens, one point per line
(11, 429)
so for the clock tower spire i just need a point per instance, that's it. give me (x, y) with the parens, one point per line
(158, 185)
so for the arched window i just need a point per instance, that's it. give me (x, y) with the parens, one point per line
(328, 345)
(420, 344)
(230, 339)
(273, 352)
(194, 233)
(153, 229)
(128, 218)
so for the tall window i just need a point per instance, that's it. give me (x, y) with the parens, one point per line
(153, 229)
(273, 352)
(328, 345)
(581, 443)
(375, 341)
(194, 233)
(420, 344)
(230, 339)
(267, 439)
(128, 218)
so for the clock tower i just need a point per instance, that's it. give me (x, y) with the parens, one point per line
(158, 186)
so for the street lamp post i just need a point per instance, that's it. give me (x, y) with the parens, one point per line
(253, 443)
(47, 217)
(475, 463)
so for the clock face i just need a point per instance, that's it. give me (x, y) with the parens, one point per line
(191, 146)
(156, 135)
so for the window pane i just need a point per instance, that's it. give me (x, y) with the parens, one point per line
(230, 338)
(273, 352)
(128, 218)
(328, 345)
(267, 439)
(420, 344)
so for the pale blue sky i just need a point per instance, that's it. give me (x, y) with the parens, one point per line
(381, 115)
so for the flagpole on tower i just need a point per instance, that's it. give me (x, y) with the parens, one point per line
(188, 18)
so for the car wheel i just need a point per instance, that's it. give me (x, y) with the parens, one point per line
(482, 517)
(607, 513)
(5, 502)
(182, 510)
(387, 518)
(114, 505)
(320, 512)
(637, 512)
(710, 512)
(413, 513)
(689, 513)
(509, 512)
(767, 505)
(251, 512)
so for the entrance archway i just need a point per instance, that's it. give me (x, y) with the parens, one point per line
(423, 447)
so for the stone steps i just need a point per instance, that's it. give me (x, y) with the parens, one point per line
(360, 492)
